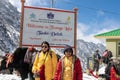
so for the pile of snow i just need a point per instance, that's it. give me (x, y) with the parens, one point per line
(88, 77)
(9, 77)
(102, 70)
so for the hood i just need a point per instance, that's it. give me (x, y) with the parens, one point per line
(67, 47)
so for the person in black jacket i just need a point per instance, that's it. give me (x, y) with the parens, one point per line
(96, 61)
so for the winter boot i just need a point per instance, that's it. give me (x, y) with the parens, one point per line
(96, 73)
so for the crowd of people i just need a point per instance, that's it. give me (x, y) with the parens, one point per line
(44, 64)
(112, 70)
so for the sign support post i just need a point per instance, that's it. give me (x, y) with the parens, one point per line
(75, 36)
(21, 24)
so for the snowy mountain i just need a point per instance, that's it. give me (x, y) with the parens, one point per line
(9, 34)
(85, 50)
(9, 26)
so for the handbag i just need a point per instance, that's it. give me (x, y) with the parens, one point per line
(42, 70)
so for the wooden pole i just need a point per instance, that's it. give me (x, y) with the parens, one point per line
(75, 32)
(21, 24)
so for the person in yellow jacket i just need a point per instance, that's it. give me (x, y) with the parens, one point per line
(48, 57)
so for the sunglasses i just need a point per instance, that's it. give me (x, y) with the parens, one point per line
(44, 46)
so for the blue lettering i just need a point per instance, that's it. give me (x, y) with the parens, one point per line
(41, 33)
(56, 34)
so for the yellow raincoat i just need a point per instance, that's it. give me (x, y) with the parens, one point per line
(50, 64)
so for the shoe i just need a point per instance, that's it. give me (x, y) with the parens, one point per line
(96, 73)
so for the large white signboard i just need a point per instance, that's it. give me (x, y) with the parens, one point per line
(43, 24)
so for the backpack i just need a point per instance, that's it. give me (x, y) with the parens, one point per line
(117, 68)
(58, 57)
(107, 70)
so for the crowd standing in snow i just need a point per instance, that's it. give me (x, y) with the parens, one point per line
(45, 64)
(112, 70)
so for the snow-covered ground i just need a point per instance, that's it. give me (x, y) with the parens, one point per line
(15, 77)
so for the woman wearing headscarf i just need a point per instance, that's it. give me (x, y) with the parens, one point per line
(69, 66)
(47, 57)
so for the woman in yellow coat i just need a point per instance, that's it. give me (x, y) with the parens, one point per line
(48, 57)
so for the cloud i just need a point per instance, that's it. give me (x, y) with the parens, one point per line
(16, 3)
(100, 13)
(110, 23)
(107, 25)
(82, 28)
(37, 3)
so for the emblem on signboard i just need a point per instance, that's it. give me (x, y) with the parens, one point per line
(68, 19)
(50, 15)
(32, 16)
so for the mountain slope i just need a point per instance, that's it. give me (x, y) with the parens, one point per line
(85, 50)
(9, 26)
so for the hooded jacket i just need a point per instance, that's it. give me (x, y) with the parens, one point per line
(76, 69)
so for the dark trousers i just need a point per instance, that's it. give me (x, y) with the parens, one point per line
(31, 74)
(96, 66)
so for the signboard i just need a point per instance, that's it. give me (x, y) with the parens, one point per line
(45, 24)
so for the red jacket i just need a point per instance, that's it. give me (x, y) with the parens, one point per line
(113, 74)
(77, 72)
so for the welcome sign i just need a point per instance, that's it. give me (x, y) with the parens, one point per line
(45, 24)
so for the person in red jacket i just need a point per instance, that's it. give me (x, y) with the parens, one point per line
(112, 74)
(69, 66)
